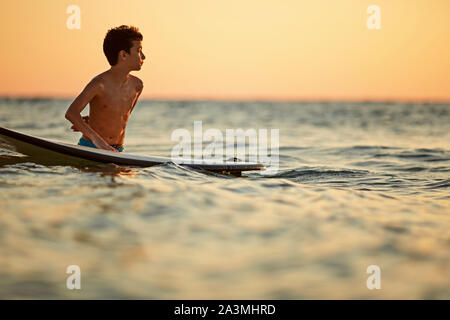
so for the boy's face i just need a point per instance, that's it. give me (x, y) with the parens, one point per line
(136, 57)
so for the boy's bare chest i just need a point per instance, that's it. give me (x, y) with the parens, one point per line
(119, 101)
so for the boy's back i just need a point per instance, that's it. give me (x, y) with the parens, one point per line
(112, 94)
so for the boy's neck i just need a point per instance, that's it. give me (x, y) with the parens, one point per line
(119, 74)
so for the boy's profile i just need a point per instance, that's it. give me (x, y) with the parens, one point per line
(112, 94)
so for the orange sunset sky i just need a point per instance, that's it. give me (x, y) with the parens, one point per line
(235, 49)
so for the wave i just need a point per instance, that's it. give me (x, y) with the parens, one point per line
(319, 173)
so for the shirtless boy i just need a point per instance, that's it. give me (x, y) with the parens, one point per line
(112, 94)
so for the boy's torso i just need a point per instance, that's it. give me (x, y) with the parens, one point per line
(109, 111)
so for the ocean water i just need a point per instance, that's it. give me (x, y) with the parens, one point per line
(359, 184)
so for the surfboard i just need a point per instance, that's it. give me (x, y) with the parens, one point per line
(52, 152)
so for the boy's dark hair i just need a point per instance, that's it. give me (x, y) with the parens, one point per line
(117, 39)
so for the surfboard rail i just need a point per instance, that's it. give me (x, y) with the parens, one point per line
(42, 147)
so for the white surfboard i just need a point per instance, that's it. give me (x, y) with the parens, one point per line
(57, 152)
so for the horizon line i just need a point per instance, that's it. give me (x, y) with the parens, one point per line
(244, 99)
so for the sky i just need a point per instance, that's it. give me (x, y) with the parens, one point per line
(235, 49)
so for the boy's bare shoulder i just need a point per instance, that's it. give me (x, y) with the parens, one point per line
(139, 83)
(99, 81)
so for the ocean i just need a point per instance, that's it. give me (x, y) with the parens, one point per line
(359, 184)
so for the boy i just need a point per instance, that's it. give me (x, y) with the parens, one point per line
(112, 94)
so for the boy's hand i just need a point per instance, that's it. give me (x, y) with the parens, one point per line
(104, 146)
(85, 118)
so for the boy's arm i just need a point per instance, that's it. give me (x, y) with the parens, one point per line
(73, 114)
(140, 87)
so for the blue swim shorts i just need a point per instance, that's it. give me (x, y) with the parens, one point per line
(87, 143)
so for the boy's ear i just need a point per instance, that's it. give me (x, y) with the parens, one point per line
(122, 54)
